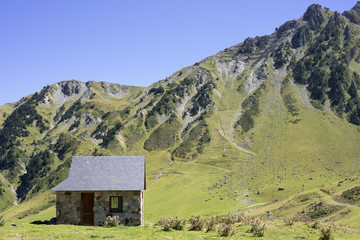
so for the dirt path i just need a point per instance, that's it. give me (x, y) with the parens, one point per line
(236, 145)
(305, 97)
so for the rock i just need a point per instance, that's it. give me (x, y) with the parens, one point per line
(313, 16)
(13, 224)
(258, 192)
(70, 87)
(283, 29)
(301, 37)
(281, 189)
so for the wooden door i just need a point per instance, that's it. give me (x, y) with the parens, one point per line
(87, 209)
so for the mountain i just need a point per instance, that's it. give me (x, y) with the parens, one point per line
(259, 121)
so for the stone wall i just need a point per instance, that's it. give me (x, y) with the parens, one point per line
(132, 207)
(68, 207)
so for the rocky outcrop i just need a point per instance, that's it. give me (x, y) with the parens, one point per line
(284, 29)
(301, 37)
(314, 16)
(67, 90)
(70, 87)
(115, 89)
(354, 14)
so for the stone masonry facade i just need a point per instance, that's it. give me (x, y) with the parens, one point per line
(68, 207)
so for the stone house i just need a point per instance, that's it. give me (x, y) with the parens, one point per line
(101, 186)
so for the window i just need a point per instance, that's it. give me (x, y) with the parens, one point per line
(116, 203)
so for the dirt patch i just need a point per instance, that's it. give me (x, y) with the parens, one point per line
(305, 97)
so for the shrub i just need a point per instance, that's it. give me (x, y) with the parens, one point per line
(165, 223)
(258, 228)
(303, 218)
(289, 221)
(316, 225)
(112, 221)
(231, 218)
(178, 223)
(2, 221)
(172, 223)
(226, 230)
(326, 234)
(196, 223)
(245, 220)
(300, 218)
(211, 224)
(227, 218)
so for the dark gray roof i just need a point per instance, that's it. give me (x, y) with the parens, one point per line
(118, 173)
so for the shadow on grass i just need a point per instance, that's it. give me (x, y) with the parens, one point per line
(45, 222)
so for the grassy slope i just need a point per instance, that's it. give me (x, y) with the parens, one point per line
(32, 207)
(6, 197)
(320, 146)
(4, 112)
(183, 191)
(347, 215)
(183, 186)
(326, 145)
(275, 229)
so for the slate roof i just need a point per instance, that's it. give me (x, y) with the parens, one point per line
(100, 173)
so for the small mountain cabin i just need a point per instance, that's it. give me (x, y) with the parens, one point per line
(98, 187)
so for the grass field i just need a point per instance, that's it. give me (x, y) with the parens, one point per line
(344, 222)
(276, 229)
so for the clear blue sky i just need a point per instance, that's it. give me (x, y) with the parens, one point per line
(128, 42)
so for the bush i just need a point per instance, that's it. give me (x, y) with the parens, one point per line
(300, 218)
(316, 225)
(196, 223)
(226, 230)
(2, 221)
(228, 219)
(289, 221)
(231, 218)
(211, 224)
(326, 234)
(258, 228)
(303, 218)
(244, 220)
(178, 223)
(172, 223)
(112, 221)
(165, 223)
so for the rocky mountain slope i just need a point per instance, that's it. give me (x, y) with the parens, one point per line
(258, 121)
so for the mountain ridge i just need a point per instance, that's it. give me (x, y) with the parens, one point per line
(274, 111)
